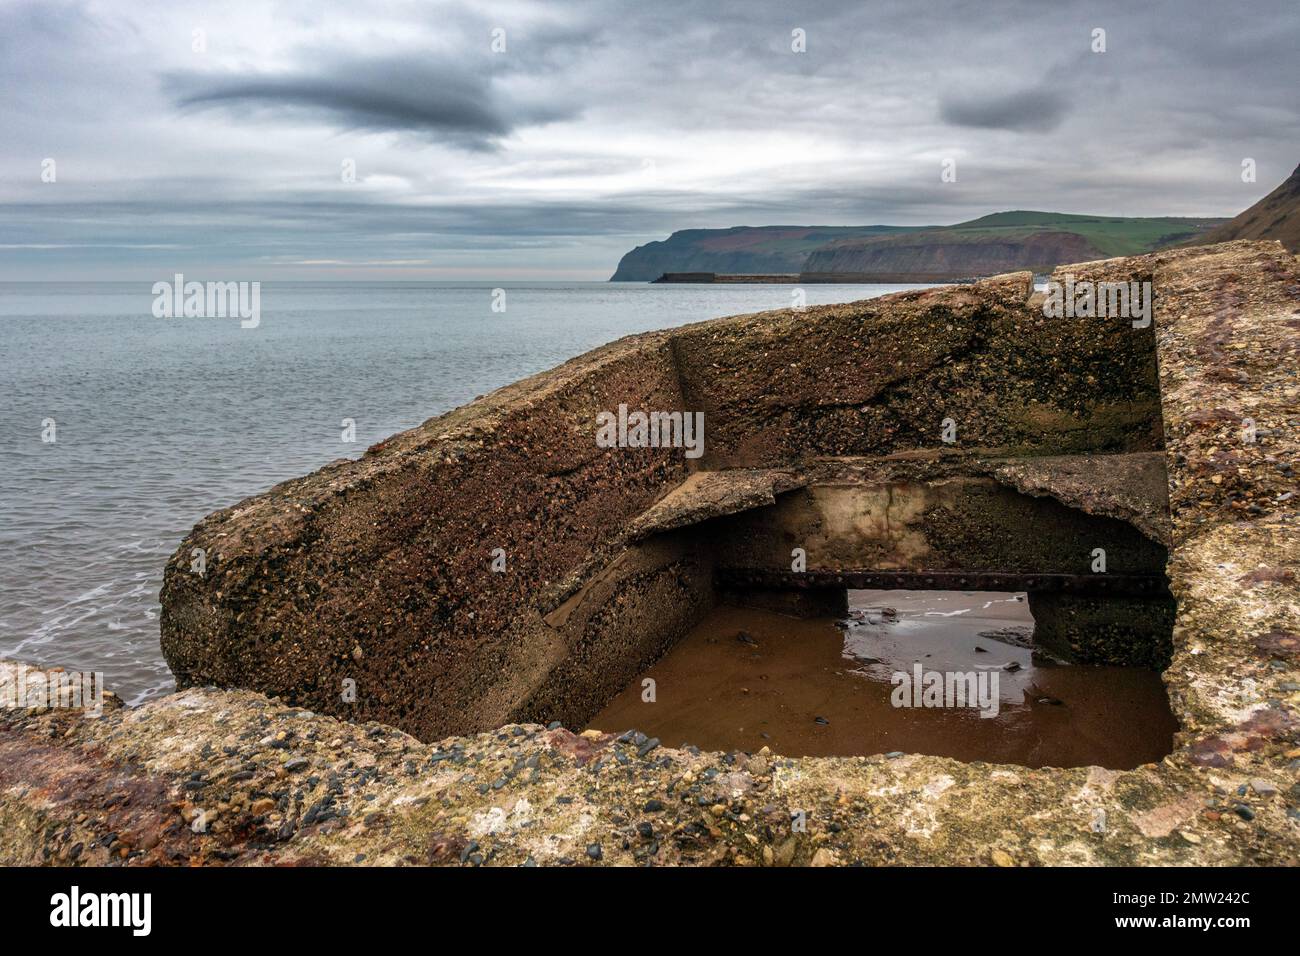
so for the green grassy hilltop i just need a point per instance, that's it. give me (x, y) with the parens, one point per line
(1110, 235)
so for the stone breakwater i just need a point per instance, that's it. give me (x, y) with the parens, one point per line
(352, 573)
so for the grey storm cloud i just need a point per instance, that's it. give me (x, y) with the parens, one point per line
(1034, 111)
(463, 106)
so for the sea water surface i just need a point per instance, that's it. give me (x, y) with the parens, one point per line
(158, 422)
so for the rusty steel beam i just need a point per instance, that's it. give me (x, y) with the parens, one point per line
(1132, 585)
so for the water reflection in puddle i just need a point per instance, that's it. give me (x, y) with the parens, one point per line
(746, 678)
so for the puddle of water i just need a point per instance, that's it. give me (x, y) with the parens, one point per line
(744, 679)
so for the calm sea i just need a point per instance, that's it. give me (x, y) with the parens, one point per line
(158, 422)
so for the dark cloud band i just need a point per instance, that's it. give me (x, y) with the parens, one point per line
(406, 94)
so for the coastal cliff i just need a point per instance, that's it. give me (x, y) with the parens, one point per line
(1276, 216)
(1002, 242)
(937, 252)
(749, 250)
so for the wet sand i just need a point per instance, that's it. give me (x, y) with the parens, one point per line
(823, 688)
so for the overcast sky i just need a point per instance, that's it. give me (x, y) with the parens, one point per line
(603, 125)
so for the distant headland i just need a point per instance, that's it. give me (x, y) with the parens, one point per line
(999, 243)
(813, 278)
(991, 245)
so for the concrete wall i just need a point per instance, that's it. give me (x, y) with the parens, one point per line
(878, 377)
(379, 571)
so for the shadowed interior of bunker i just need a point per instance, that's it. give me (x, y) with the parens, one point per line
(1058, 623)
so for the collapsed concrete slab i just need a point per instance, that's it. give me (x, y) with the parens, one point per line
(1132, 488)
(379, 572)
